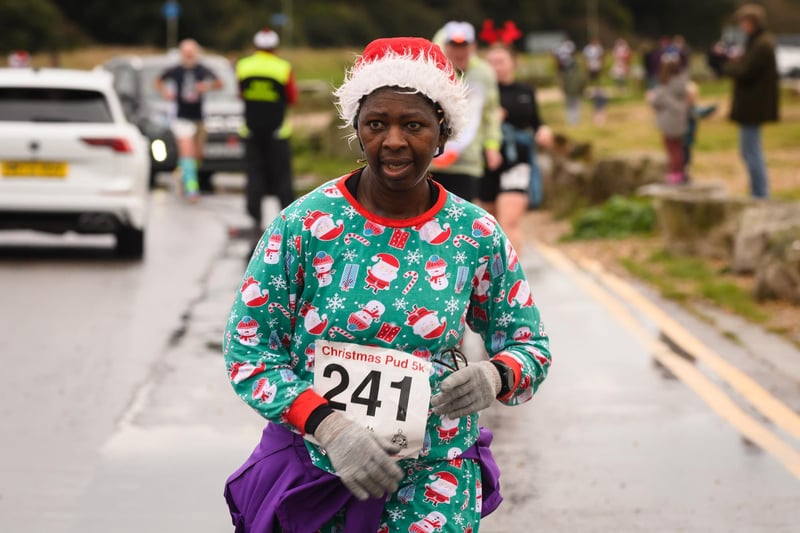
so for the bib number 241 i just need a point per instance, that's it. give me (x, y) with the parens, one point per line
(385, 390)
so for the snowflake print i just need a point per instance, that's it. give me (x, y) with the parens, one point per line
(504, 320)
(292, 391)
(455, 212)
(400, 304)
(397, 514)
(233, 317)
(461, 257)
(349, 255)
(458, 519)
(298, 340)
(496, 239)
(350, 212)
(451, 304)
(413, 257)
(278, 282)
(272, 322)
(335, 302)
(293, 216)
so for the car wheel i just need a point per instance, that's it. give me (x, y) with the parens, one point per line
(153, 179)
(204, 181)
(130, 243)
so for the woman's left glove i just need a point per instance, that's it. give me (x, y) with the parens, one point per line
(467, 390)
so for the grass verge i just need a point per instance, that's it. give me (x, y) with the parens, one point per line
(683, 279)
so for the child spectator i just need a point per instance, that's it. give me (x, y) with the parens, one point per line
(670, 101)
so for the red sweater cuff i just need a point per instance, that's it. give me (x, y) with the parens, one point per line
(302, 406)
(515, 367)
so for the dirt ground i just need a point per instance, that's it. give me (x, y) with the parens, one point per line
(783, 317)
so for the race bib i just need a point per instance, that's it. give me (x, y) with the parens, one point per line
(382, 389)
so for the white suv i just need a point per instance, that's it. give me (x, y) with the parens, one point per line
(69, 159)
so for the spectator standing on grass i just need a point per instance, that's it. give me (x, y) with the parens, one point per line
(573, 84)
(594, 55)
(670, 101)
(755, 92)
(186, 84)
(267, 86)
(476, 148)
(697, 112)
(621, 63)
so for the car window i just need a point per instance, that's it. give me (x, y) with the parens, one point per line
(125, 81)
(35, 104)
(223, 70)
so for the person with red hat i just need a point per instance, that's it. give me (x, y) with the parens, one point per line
(372, 410)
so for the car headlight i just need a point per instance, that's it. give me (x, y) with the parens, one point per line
(158, 149)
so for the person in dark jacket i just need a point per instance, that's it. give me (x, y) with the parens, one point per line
(755, 92)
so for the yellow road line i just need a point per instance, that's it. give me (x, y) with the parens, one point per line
(684, 370)
(772, 408)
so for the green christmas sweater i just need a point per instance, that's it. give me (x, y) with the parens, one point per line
(327, 269)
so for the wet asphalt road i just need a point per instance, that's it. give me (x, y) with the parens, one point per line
(117, 414)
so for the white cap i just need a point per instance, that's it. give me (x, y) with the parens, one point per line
(266, 39)
(459, 32)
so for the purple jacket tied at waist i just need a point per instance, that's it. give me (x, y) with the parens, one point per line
(278, 484)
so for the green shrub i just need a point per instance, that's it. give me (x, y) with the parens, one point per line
(617, 218)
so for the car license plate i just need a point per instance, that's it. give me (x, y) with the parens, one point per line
(35, 169)
(223, 150)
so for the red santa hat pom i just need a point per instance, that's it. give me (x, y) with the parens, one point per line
(388, 259)
(266, 39)
(409, 62)
(435, 262)
(247, 322)
(322, 259)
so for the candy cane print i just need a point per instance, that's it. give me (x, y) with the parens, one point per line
(466, 239)
(280, 308)
(450, 333)
(500, 297)
(357, 237)
(336, 329)
(414, 277)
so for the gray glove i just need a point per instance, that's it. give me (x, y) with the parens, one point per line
(467, 390)
(361, 459)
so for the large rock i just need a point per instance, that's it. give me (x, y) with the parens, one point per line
(778, 271)
(757, 226)
(577, 180)
(697, 219)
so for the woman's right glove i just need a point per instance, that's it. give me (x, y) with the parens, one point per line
(360, 458)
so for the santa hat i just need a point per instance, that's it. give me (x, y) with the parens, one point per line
(246, 323)
(408, 62)
(266, 39)
(314, 217)
(372, 228)
(522, 334)
(482, 227)
(356, 322)
(520, 292)
(435, 262)
(322, 259)
(446, 482)
(389, 259)
(275, 237)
